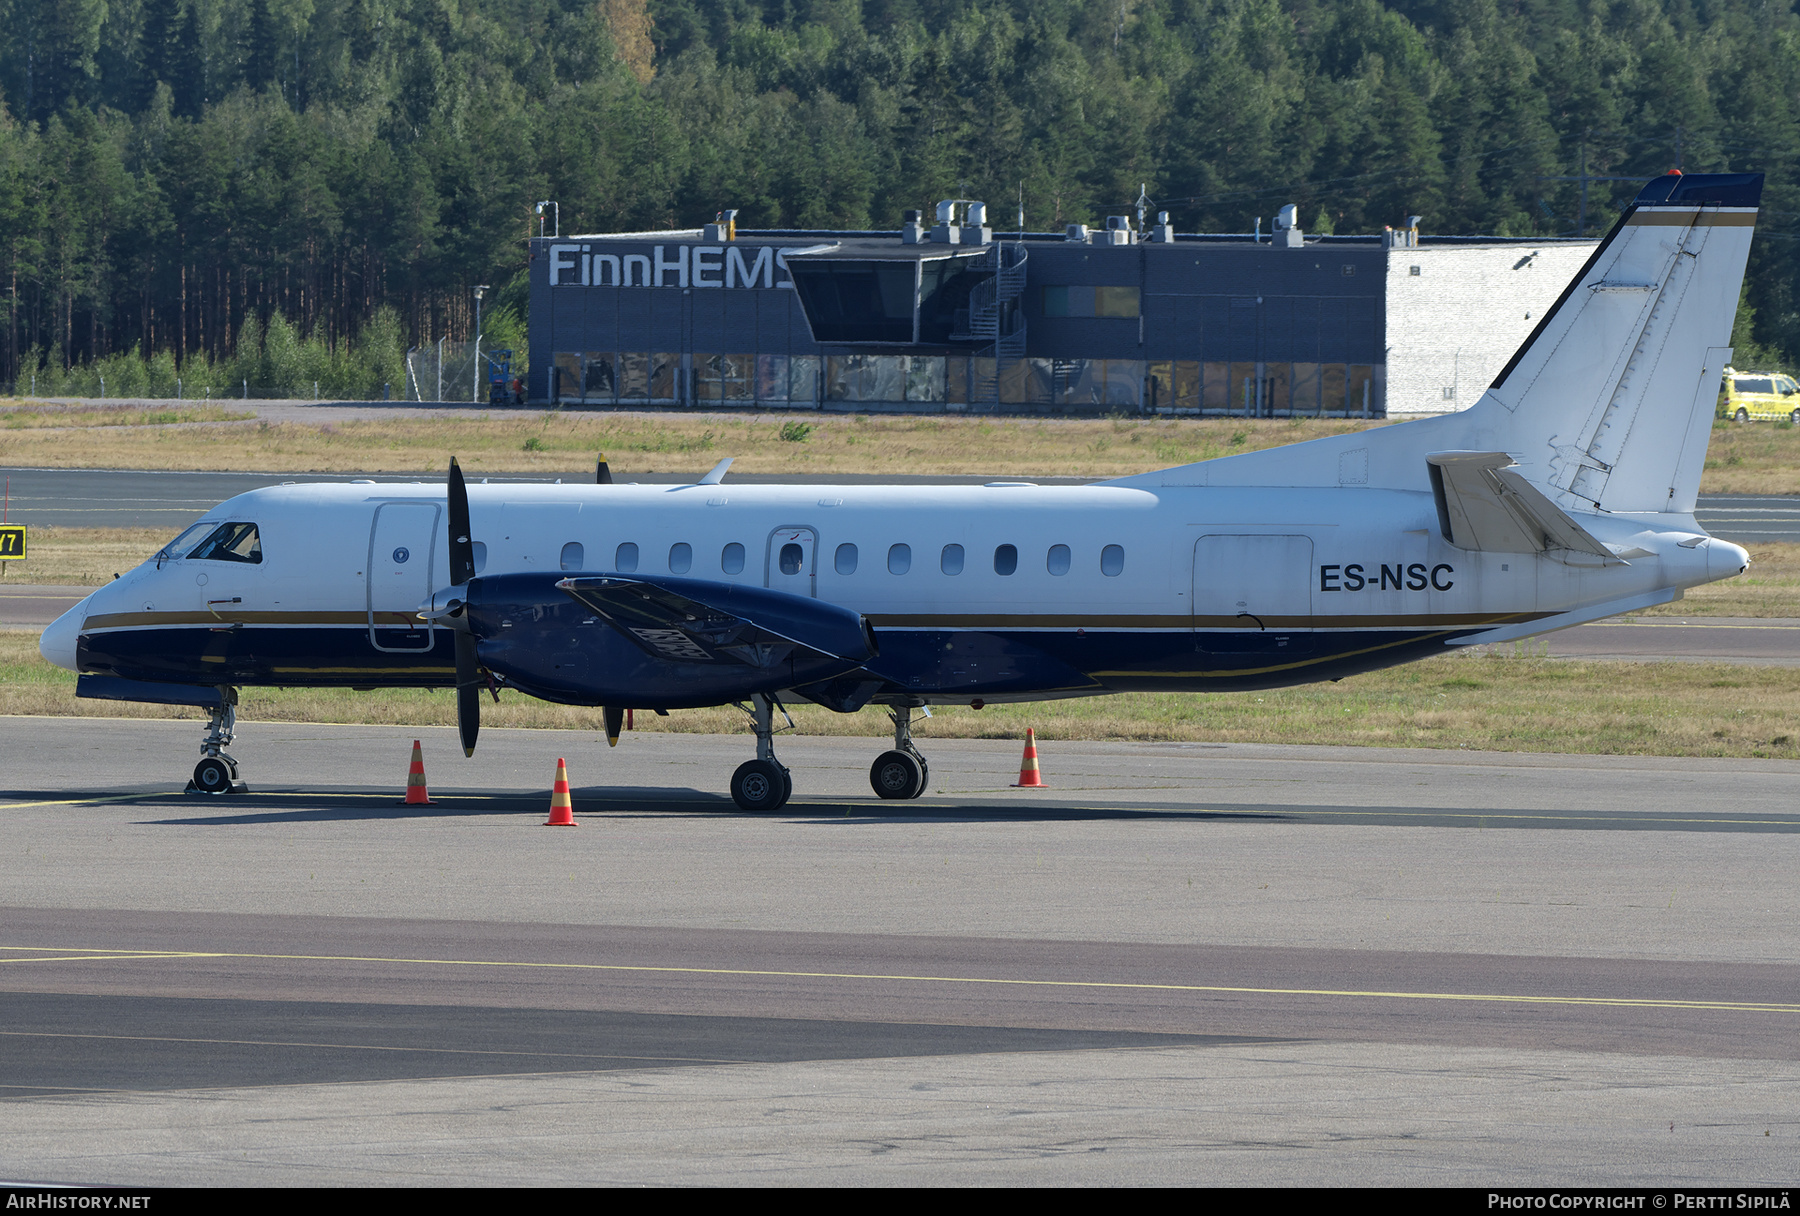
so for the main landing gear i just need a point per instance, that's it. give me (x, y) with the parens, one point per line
(901, 773)
(217, 772)
(762, 784)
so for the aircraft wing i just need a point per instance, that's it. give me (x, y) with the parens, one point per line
(1485, 503)
(696, 621)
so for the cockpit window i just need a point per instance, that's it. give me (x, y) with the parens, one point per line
(230, 543)
(181, 544)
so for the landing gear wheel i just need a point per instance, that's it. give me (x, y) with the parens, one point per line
(760, 785)
(897, 774)
(214, 776)
(1743, 415)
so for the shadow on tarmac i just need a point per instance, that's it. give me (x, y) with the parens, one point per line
(598, 804)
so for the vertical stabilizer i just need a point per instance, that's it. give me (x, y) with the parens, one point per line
(1609, 403)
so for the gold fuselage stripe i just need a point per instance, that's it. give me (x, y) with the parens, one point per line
(231, 616)
(913, 621)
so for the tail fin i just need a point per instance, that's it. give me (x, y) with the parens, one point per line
(1608, 404)
(1610, 400)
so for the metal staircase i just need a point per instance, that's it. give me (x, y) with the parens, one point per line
(996, 314)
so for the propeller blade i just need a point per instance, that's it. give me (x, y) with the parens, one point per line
(462, 547)
(615, 721)
(462, 569)
(468, 691)
(602, 473)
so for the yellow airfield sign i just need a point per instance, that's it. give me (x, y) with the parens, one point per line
(12, 542)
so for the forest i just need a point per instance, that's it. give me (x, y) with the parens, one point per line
(243, 190)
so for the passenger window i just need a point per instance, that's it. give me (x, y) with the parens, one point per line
(1112, 561)
(480, 552)
(792, 556)
(681, 557)
(1057, 562)
(952, 560)
(731, 558)
(231, 543)
(1006, 559)
(845, 562)
(899, 559)
(573, 555)
(625, 562)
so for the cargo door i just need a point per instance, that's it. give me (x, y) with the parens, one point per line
(1253, 594)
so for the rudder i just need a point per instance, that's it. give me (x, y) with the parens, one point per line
(1609, 403)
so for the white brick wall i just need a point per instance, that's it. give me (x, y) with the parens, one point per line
(1455, 324)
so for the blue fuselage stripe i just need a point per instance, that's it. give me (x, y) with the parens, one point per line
(595, 666)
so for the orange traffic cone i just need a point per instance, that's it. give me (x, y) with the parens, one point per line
(416, 793)
(562, 811)
(1028, 768)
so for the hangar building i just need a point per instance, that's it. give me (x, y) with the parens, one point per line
(954, 317)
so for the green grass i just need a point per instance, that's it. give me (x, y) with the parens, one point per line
(1504, 701)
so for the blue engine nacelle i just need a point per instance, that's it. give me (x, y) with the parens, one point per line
(664, 643)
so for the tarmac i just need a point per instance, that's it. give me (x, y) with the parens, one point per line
(1179, 964)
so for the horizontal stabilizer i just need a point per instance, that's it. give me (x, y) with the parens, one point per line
(695, 621)
(1566, 620)
(1484, 503)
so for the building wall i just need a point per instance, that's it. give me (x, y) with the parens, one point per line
(1190, 328)
(1456, 314)
(699, 331)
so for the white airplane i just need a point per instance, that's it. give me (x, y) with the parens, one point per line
(1564, 495)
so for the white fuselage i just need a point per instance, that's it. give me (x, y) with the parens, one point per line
(1100, 561)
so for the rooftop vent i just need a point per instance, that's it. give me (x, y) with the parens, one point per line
(1402, 238)
(1118, 231)
(723, 228)
(975, 226)
(961, 221)
(946, 231)
(1287, 229)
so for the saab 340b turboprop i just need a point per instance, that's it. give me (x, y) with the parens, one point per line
(1564, 495)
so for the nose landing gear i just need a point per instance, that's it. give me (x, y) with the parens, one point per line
(217, 772)
(902, 772)
(762, 784)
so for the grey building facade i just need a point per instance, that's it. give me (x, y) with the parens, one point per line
(956, 318)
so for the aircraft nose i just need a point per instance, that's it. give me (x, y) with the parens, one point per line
(1724, 559)
(57, 644)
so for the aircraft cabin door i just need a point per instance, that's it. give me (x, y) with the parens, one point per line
(1253, 594)
(790, 565)
(402, 545)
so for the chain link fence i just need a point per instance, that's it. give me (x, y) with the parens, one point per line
(445, 371)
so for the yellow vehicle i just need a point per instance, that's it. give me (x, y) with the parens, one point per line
(1761, 396)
